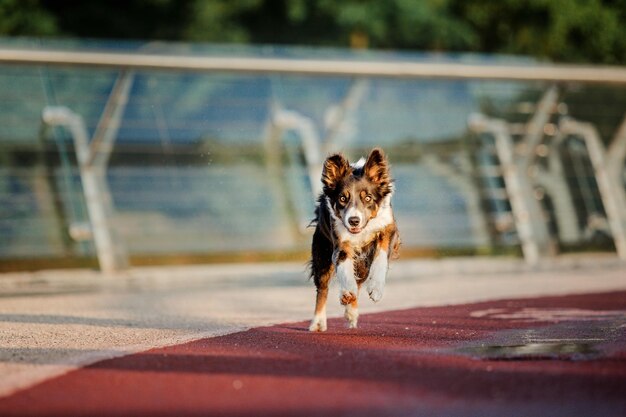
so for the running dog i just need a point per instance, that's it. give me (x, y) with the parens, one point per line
(355, 233)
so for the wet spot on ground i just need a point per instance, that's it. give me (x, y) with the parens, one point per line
(562, 334)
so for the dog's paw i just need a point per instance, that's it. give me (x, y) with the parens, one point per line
(375, 284)
(318, 324)
(376, 290)
(347, 297)
(376, 295)
(352, 315)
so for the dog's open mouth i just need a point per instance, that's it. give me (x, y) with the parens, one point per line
(355, 230)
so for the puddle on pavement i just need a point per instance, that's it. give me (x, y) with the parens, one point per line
(555, 315)
(535, 351)
(574, 334)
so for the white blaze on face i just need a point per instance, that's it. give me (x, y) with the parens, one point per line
(352, 212)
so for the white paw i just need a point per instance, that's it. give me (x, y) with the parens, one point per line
(352, 315)
(375, 289)
(318, 324)
(375, 284)
(348, 288)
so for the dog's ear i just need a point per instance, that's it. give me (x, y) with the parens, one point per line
(335, 168)
(376, 168)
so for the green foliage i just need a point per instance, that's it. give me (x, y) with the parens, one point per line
(217, 20)
(25, 17)
(132, 19)
(586, 31)
(560, 30)
(402, 23)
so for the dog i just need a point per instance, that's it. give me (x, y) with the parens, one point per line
(355, 233)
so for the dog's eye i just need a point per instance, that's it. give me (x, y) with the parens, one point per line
(343, 199)
(368, 198)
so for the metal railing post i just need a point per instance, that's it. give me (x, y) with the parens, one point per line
(527, 213)
(111, 257)
(609, 182)
(93, 158)
(304, 127)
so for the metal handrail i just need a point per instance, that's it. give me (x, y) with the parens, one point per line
(329, 67)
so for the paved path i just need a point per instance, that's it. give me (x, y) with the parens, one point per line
(58, 321)
(555, 356)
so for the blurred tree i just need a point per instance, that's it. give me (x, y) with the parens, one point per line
(133, 19)
(426, 25)
(422, 25)
(219, 20)
(561, 30)
(26, 17)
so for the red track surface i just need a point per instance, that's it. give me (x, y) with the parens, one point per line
(421, 361)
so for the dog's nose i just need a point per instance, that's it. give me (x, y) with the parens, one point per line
(354, 221)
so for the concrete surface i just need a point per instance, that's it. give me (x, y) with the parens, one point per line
(52, 322)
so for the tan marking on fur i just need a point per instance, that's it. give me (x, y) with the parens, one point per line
(320, 299)
(352, 314)
(347, 248)
(376, 167)
(322, 292)
(385, 240)
(374, 212)
(335, 167)
(347, 298)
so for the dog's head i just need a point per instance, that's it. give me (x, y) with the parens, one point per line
(356, 192)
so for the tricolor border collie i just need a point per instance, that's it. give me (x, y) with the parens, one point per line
(355, 232)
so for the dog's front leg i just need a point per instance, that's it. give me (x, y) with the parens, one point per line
(348, 287)
(375, 283)
(344, 267)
